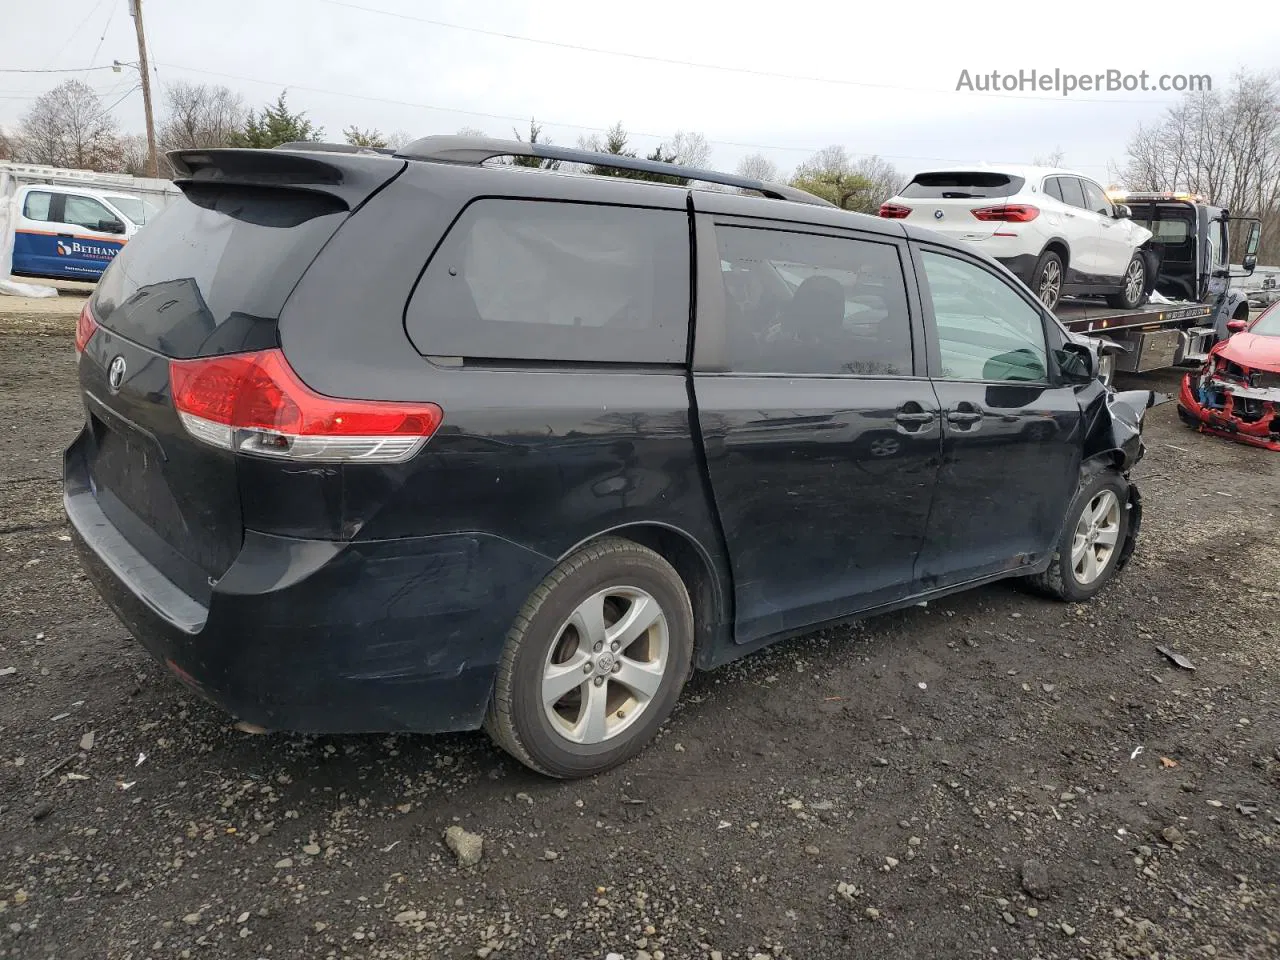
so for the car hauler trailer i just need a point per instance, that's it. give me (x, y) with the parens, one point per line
(1192, 299)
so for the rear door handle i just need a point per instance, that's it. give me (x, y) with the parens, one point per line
(962, 416)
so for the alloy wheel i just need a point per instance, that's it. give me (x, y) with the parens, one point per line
(1133, 281)
(606, 665)
(1096, 536)
(1051, 284)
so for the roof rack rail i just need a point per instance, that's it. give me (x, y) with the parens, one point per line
(476, 150)
(320, 147)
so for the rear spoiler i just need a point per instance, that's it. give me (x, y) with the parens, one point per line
(349, 177)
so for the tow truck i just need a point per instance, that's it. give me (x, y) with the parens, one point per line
(1191, 300)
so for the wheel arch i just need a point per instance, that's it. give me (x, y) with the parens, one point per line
(706, 580)
(1059, 246)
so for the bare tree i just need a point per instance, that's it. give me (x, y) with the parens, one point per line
(1223, 145)
(883, 181)
(399, 138)
(1053, 158)
(201, 115)
(7, 145)
(67, 127)
(135, 156)
(758, 167)
(471, 132)
(689, 148)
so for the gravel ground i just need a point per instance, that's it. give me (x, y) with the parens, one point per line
(993, 775)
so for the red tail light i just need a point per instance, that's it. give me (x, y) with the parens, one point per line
(254, 403)
(86, 327)
(1008, 213)
(894, 211)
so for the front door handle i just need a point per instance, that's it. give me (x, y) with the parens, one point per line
(966, 416)
(916, 418)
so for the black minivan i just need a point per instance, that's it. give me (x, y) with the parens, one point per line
(431, 440)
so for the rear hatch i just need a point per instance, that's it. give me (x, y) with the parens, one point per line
(207, 278)
(944, 201)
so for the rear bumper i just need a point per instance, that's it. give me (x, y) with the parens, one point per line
(323, 636)
(1200, 410)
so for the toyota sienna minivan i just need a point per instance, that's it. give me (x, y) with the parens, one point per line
(421, 442)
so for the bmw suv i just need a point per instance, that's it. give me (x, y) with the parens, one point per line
(420, 442)
(1055, 229)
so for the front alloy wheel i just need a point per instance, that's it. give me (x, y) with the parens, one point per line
(1092, 540)
(1096, 537)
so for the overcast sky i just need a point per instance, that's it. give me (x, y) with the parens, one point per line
(881, 77)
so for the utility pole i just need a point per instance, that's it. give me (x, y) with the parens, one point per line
(135, 11)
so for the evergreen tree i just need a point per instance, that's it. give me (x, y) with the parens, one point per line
(274, 126)
(535, 131)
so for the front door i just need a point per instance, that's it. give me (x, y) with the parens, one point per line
(1010, 435)
(1115, 239)
(1081, 230)
(90, 235)
(821, 434)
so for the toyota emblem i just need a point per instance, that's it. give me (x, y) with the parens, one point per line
(937, 214)
(115, 374)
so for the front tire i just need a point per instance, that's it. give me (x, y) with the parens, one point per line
(1133, 289)
(594, 662)
(1047, 279)
(1092, 540)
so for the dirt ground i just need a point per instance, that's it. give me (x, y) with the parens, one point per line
(870, 791)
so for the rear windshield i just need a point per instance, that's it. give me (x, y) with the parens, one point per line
(953, 185)
(1171, 224)
(210, 273)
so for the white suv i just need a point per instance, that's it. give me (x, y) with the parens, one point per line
(1055, 229)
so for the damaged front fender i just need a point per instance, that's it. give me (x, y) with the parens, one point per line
(1113, 426)
(1114, 439)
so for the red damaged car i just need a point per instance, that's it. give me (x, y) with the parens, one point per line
(1237, 392)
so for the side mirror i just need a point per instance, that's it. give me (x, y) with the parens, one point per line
(1122, 212)
(110, 226)
(1250, 259)
(1237, 326)
(1078, 363)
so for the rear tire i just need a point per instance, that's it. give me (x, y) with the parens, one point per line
(612, 627)
(1133, 289)
(1047, 279)
(1092, 540)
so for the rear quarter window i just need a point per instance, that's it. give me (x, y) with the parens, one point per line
(953, 185)
(541, 280)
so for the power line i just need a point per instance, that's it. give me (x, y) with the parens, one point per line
(524, 119)
(53, 69)
(76, 32)
(105, 27)
(702, 65)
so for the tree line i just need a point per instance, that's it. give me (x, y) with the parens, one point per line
(1222, 143)
(68, 127)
